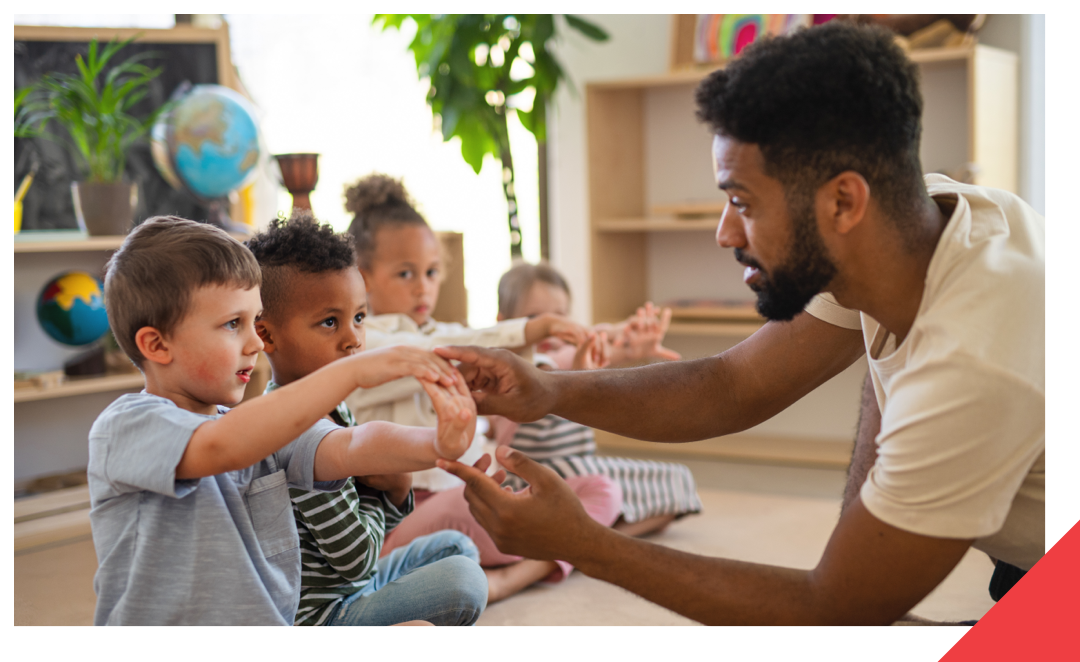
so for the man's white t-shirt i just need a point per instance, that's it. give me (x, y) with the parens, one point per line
(961, 448)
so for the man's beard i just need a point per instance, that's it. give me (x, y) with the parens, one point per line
(784, 292)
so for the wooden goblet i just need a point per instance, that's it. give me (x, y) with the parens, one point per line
(299, 174)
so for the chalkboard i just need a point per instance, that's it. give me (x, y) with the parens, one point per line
(48, 203)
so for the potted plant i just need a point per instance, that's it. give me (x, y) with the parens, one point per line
(480, 67)
(94, 108)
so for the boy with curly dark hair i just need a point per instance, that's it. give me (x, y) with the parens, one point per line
(314, 304)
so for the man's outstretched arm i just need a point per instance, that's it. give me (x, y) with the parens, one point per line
(677, 401)
(870, 572)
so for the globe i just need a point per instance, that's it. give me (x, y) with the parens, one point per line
(71, 308)
(207, 143)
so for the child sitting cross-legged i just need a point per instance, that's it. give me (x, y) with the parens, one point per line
(654, 493)
(314, 305)
(400, 259)
(190, 509)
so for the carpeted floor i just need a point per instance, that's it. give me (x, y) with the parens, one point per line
(767, 514)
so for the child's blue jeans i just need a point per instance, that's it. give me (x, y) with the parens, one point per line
(435, 578)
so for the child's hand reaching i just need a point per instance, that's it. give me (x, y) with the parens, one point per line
(550, 325)
(386, 364)
(641, 336)
(457, 417)
(593, 353)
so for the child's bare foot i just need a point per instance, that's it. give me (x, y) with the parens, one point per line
(509, 579)
(644, 527)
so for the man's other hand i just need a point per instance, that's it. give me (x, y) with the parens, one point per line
(545, 521)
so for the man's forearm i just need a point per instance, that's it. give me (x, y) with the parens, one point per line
(662, 402)
(730, 392)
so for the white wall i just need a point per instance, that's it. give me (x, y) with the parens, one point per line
(1025, 35)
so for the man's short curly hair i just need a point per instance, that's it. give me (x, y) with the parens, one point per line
(822, 101)
(299, 244)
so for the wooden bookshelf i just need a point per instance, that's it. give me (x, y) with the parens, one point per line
(714, 329)
(657, 224)
(81, 386)
(791, 451)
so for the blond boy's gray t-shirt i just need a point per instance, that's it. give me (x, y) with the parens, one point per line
(220, 550)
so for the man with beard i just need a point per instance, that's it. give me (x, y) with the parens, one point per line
(850, 250)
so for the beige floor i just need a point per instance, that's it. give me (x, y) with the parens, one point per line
(778, 515)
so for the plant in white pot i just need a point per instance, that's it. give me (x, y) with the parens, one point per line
(94, 108)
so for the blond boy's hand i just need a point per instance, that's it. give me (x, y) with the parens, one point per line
(386, 364)
(457, 417)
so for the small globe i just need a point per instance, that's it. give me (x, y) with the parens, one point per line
(71, 308)
(208, 143)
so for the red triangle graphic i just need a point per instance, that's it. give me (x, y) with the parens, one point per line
(1035, 619)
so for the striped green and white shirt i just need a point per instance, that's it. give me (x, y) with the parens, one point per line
(341, 535)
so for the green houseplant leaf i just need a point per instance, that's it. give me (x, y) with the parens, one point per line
(474, 65)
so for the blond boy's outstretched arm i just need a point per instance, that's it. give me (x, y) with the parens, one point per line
(380, 447)
(260, 427)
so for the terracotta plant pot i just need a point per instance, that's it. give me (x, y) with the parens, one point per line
(105, 208)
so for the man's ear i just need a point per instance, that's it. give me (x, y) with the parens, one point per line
(265, 334)
(153, 345)
(843, 200)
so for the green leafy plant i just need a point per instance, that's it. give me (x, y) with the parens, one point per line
(479, 67)
(94, 107)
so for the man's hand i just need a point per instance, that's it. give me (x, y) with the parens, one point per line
(396, 486)
(502, 382)
(457, 417)
(540, 522)
(378, 366)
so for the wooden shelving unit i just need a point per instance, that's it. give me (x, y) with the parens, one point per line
(655, 224)
(61, 241)
(714, 329)
(81, 386)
